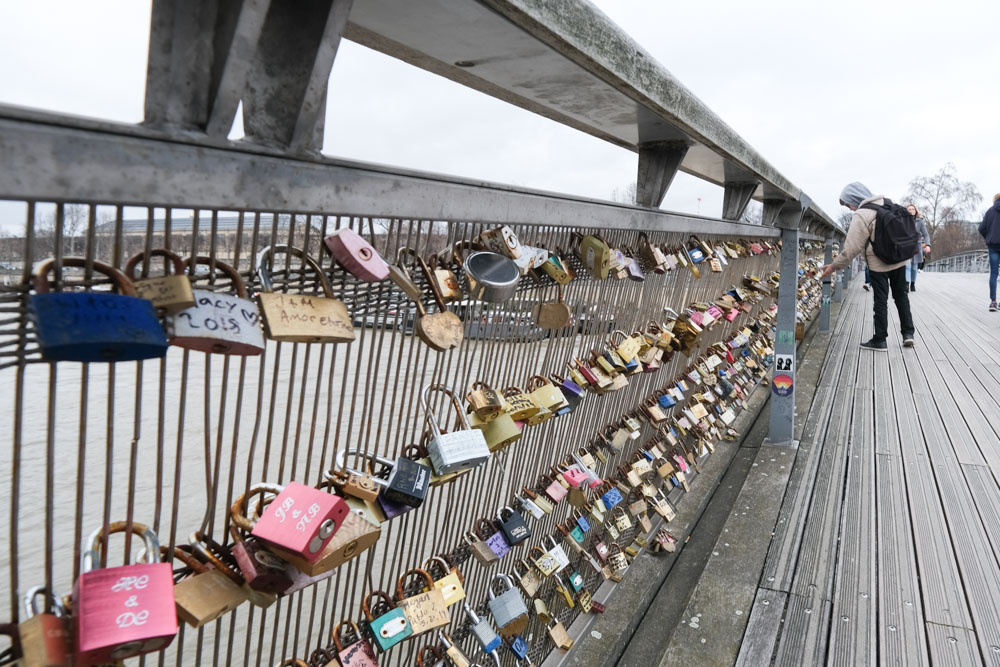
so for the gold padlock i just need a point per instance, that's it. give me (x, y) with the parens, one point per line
(172, 293)
(484, 402)
(545, 394)
(206, 594)
(520, 406)
(301, 318)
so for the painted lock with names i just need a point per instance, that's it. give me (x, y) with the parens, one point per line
(121, 612)
(301, 520)
(460, 449)
(94, 326)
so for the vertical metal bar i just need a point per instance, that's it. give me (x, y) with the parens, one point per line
(824, 308)
(782, 423)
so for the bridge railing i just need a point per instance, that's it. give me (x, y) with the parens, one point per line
(171, 443)
(977, 261)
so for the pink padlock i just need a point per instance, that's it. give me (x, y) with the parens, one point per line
(121, 612)
(357, 255)
(301, 520)
(576, 475)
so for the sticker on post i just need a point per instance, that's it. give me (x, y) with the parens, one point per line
(782, 385)
(784, 363)
(786, 337)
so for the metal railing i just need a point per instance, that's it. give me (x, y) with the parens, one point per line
(977, 261)
(170, 443)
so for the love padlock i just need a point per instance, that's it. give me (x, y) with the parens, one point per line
(300, 521)
(390, 626)
(447, 579)
(121, 612)
(354, 652)
(204, 595)
(218, 323)
(44, 636)
(171, 293)
(458, 450)
(508, 608)
(512, 525)
(426, 609)
(262, 570)
(94, 326)
(356, 255)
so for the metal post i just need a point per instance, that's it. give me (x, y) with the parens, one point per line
(782, 423)
(824, 308)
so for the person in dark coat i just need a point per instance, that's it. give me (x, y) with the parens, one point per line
(989, 229)
(923, 247)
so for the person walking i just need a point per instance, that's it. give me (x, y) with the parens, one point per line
(923, 247)
(885, 277)
(989, 229)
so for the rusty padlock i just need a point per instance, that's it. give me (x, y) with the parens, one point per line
(262, 570)
(221, 558)
(356, 652)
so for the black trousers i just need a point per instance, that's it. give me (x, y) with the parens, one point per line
(882, 282)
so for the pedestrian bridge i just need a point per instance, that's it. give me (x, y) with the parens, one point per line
(877, 541)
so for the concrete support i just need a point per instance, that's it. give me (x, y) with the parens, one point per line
(200, 53)
(735, 198)
(772, 208)
(658, 164)
(782, 423)
(824, 308)
(285, 102)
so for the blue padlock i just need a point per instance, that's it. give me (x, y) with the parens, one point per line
(94, 326)
(389, 628)
(611, 497)
(520, 647)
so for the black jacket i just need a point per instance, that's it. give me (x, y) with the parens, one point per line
(989, 228)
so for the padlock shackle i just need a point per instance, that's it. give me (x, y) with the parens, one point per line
(430, 562)
(144, 257)
(238, 512)
(341, 461)
(435, 289)
(366, 603)
(428, 579)
(188, 559)
(92, 557)
(537, 382)
(471, 613)
(31, 609)
(217, 555)
(502, 577)
(40, 282)
(435, 653)
(265, 264)
(231, 273)
(429, 415)
(335, 634)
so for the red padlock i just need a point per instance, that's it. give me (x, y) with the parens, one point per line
(300, 521)
(121, 612)
(262, 570)
(357, 255)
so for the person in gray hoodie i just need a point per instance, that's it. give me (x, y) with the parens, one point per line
(989, 229)
(885, 277)
(924, 247)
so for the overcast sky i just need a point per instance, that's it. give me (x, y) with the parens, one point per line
(874, 90)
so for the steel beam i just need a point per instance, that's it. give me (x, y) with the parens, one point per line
(200, 53)
(658, 164)
(735, 198)
(285, 101)
(824, 308)
(789, 219)
(44, 159)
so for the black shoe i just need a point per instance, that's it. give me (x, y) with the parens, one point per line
(874, 345)
(908, 341)
(867, 287)
(913, 287)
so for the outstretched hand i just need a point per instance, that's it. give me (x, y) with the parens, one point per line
(827, 271)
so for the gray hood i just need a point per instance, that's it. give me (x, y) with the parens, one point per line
(854, 193)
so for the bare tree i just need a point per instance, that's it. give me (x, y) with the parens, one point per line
(844, 219)
(955, 237)
(942, 198)
(625, 195)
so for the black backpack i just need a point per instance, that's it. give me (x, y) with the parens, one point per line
(896, 235)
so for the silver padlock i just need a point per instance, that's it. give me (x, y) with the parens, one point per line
(484, 633)
(508, 609)
(556, 550)
(458, 450)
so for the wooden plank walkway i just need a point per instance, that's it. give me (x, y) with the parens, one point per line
(887, 546)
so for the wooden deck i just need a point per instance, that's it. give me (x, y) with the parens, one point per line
(887, 546)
